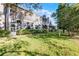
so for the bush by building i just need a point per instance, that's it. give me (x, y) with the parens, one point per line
(4, 33)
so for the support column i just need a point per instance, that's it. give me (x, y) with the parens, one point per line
(7, 15)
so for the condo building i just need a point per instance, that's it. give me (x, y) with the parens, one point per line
(13, 18)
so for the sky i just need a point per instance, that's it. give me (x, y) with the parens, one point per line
(48, 9)
(50, 6)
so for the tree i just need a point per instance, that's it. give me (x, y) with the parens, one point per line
(67, 17)
(44, 20)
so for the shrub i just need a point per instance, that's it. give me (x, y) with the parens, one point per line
(38, 31)
(44, 30)
(33, 31)
(28, 31)
(23, 31)
(4, 33)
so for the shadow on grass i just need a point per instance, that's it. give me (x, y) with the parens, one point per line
(45, 36)
(26, 52)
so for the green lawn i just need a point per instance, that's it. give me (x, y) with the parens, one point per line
(38, 45)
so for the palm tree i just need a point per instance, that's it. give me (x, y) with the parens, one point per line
(45, 21)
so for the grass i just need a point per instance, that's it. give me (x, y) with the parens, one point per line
(47, 44)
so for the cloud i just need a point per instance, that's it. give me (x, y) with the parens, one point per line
(47, 13)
